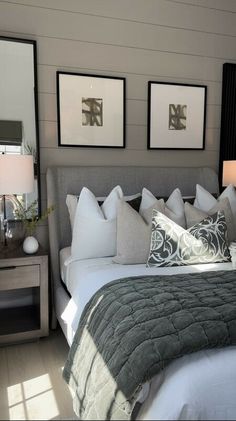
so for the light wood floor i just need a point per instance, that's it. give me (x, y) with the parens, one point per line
(31, 383)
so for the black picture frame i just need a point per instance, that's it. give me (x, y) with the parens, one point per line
(85, 103)
(176, 116)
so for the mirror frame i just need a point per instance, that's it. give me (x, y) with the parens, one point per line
(36, 108)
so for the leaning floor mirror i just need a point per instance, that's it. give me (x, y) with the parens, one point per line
(19, 117)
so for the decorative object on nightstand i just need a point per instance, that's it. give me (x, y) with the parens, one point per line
(229, 173)
(16, 177)
(30, 245)
(30, 219)
(23, 296)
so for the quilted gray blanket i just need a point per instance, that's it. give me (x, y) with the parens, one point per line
(132, 328)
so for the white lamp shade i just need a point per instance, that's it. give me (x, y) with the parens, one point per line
(16, 174)
(229, 173)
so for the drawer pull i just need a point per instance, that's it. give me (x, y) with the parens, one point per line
(8, 268)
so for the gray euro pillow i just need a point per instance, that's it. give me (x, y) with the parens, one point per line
(134, 233)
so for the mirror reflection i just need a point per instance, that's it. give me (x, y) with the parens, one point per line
(18, 112)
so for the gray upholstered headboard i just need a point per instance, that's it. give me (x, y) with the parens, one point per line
(160, 181)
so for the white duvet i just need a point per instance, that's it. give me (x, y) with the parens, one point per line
(200, 386)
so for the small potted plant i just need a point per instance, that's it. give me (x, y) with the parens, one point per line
(30, 220)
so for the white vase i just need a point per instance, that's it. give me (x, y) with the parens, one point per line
(30, 245)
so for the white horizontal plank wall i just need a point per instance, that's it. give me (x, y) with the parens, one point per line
(183, 41)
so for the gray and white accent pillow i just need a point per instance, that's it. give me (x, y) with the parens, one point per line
(194, 216)
(171, 245)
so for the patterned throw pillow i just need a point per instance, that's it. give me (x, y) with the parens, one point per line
(171, 245)
(194, 216)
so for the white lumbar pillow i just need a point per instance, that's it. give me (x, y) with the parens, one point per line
(174, 206)
(94, 231)
(205, 201)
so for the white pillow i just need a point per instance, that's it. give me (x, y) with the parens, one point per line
(148, 200)
(205, 201)
(109, 206)
(230, 193)
(126, 198)
(94, 232)
(72, 201)
(174, 206)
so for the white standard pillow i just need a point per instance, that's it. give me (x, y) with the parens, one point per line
(94, 232)
(174, 206)
(205, 201)
(72, 201)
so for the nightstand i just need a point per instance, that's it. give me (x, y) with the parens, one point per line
(23, 295)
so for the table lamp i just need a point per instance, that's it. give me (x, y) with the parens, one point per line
(229, 173)
(16, 177)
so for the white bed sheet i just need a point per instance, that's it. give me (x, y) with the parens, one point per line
(84, 277)
(198, 386)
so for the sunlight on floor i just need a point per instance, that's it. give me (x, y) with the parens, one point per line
(32, 400)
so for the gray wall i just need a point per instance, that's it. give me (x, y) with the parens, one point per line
(184, 41)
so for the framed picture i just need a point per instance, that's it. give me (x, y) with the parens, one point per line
(91, 110)
(176, 116)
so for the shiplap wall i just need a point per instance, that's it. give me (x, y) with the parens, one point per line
(185, 41)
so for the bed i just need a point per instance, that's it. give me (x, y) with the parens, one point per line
(213, 371)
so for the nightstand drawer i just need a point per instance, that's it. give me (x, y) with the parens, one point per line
(15, 277)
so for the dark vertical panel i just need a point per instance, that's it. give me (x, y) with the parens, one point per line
(228, 116)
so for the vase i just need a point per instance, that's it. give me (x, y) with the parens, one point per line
(30, 245)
